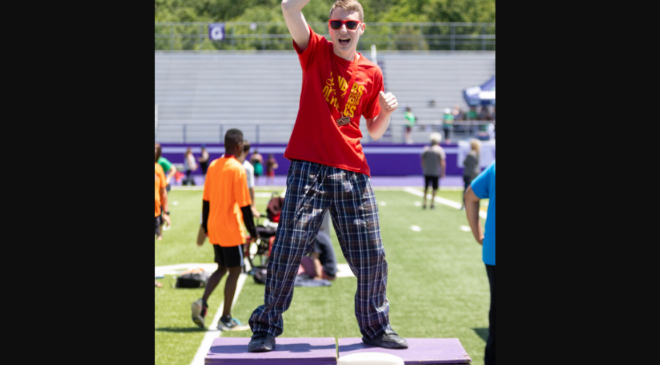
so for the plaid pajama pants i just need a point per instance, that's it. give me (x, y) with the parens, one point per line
(312, 189)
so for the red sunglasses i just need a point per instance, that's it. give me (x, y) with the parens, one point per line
(350, 24)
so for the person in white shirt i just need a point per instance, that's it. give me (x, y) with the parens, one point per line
(249, 171)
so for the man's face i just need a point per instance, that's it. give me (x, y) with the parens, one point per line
(345, 40)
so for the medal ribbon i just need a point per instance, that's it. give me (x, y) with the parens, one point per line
(353, 71)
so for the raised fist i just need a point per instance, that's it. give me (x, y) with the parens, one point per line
(387, 102)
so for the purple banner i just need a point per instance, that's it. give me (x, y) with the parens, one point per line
(383, 160)
(216, 31)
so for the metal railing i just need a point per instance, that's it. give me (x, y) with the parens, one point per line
(280, 133)
(193, 36)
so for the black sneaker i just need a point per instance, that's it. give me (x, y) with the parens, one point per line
(229, 324)
(199, 312)
(388, 339)
(261, 342)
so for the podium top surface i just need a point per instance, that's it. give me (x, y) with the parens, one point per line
(229, 350)
(419, 351)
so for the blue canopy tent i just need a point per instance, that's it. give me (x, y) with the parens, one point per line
(481, 95)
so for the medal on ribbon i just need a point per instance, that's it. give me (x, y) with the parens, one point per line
(353, 71)
(343, 121)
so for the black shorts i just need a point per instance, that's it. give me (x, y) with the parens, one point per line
(158, 220)
(228, 256)
(431, 179)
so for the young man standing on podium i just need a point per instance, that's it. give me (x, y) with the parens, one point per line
(329, 172)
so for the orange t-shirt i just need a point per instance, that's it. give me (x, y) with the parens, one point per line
(161, 182)
(225, 188)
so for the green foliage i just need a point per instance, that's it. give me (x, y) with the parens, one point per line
(193, 37)
(317, 10)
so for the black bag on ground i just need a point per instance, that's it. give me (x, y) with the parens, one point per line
(192, 279)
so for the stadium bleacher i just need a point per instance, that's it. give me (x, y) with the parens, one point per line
(258, 91)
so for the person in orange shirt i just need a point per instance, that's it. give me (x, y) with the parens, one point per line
(161, 197)
(225, 203)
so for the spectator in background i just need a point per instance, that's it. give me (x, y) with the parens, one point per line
(471, 165)
(484, 118)
(472, 113)
(433, 165)
(447, 124)
(410, 122)
(162, 207)
(168, 168)
(249, 171)
(257, 162)
(189, 165)
(484, 114)
(271, 165)
(204, 161)
(483, 187)
(458, 113)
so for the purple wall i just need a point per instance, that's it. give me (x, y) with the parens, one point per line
(383, 160)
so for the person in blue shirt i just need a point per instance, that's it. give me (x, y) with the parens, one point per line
(483, 187)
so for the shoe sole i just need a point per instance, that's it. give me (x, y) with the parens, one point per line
(196, 314)
(395, 346)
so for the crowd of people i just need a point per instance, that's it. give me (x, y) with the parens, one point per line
(191, 164)
(456, 114)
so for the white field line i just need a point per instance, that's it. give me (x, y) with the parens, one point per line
(212, 331)
(440, 200)
(178, 268)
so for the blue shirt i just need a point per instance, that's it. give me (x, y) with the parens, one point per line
(484, 187)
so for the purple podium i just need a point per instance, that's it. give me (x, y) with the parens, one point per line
(295, 351)
(419, 351)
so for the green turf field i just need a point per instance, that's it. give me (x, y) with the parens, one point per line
(437, 284)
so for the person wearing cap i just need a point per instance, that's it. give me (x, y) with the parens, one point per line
(447, 124)
(433, 166)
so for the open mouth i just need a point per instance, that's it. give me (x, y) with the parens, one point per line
(344, 41)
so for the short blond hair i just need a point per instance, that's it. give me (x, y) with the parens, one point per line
(475, 144)
(348, 5)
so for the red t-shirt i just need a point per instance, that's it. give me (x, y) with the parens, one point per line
(316, 137)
